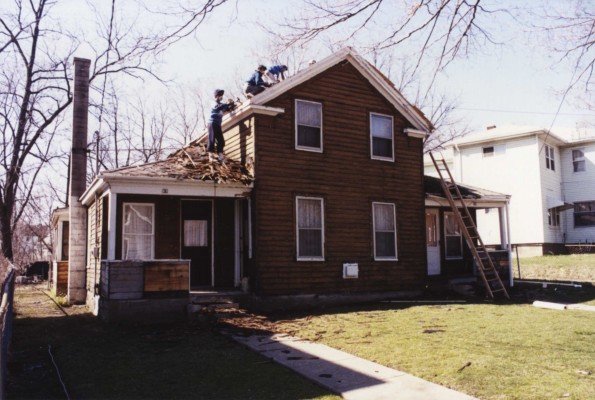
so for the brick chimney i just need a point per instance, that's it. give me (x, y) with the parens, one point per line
(78, 182)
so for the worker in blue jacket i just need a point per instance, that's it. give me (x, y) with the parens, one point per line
(276, 73)
(216, 141)
(256, 84)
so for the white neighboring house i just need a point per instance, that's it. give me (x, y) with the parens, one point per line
(551, 180)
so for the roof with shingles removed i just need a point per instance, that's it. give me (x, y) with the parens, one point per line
(190, 164)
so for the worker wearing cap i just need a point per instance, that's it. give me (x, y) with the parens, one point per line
(216, 141)
(256, 84)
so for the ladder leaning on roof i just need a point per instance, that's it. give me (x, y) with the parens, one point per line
(485, 265)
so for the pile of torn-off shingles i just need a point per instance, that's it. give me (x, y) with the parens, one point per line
(193, 163)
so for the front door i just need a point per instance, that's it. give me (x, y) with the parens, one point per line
(432, 241)
(197, 240)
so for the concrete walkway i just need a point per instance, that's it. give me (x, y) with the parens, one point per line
(352, 377)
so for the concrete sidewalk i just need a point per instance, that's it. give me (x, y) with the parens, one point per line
(352, 377)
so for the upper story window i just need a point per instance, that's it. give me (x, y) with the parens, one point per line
(65, 240)
(488, 151)
(578, 160)
(310, 228)
(381, 136)
(385, 231)
(584, 213)
(549, 158)
(138, 231)
(308, 125)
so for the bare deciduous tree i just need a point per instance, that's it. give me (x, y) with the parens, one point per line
(35, 87)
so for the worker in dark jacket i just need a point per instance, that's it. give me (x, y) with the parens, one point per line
(256, 84)
(276, 73)
(216, 141)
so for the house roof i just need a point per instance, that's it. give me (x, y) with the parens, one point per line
(507, 133)
(257, 105)
(433, 188)
(372, 74)
(191, 164)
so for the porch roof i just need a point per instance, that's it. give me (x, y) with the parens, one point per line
(189, 163)
(471, 195)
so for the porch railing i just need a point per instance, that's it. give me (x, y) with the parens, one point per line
(128, 280)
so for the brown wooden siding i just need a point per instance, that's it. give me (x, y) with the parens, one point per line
(61, 278)
(96, 222)
(348, 180)
(224, 242)
(239, 141)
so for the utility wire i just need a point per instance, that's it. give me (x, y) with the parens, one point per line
(58, 372)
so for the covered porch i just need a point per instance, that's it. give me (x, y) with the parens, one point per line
(448, 254)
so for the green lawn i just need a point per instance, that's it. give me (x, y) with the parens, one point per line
(485, 350)
(575, 267)
(174, 361)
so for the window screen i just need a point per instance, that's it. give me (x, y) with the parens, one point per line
(310, 235)
(385, 233)
(381, 130)
(308, 125)
(137, 231)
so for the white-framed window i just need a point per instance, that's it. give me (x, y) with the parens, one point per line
(385, 231)
(308, 125)
(309, 216)
(381, 137)
(578, 160)
(549, 158)
(453, 237)
(488, 151)
(553, 217)
(138, 231)
(584, 213)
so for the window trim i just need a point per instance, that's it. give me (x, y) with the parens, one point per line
(392, 126)
(553, 218)
(574, 214)
(297, 229)
(550, 162)
(578, 160)
(491, 150)
(306, 148)
(124, 204)
(381, 258)
(446, 256)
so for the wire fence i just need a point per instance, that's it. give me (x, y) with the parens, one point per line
(6, 314)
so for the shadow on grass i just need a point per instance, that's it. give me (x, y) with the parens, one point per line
(183, 360)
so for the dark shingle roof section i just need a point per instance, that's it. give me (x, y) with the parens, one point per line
(191, 164)
(433, 188)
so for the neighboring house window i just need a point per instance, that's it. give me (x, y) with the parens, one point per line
(549, 158)
(578, 160)
(65, 239)
(308, 121)
(453, 236)
(310, 228)
(138, 231)
(584, 213)
(488, 151)
(553, 217)
(385, 231)
(381, 136)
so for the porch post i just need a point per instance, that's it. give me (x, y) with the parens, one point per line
(111, 226)
(237, 242)
(508, 243)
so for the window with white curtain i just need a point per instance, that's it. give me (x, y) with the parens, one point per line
(308, 121)
(385, 231)
(453, 236)
(310, 228)
(381, 136)
(138, 231)
(196, 233)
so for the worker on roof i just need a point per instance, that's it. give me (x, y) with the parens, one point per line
(216, 141)
(276, 73)
(256, 84)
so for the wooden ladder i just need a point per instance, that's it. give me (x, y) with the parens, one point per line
(485, 265)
